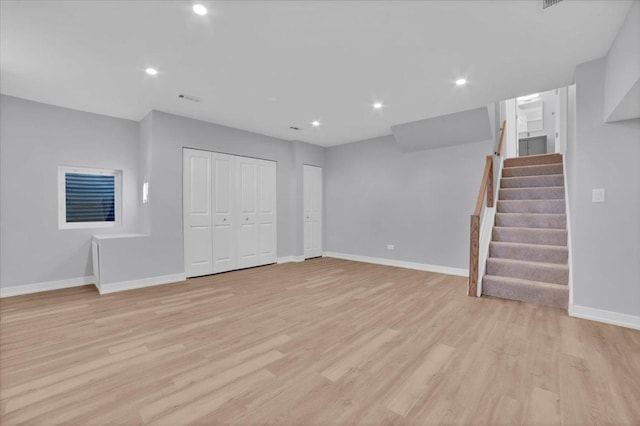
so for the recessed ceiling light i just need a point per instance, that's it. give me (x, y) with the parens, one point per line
(151, 71)
(315, 123)
(377, 105)
(461, 82)
(199, 9)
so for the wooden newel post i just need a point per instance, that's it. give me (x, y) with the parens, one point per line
(473, 255)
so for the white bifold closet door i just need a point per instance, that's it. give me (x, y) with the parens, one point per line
(256, 187)
(312, 209)
(229, 212)
(196, 193)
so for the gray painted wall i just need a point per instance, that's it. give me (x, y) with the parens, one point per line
(420, 201)
(37, 138)
(458, 128)
(606, 236)
(623, 70)
(34, 140)
(161, 253)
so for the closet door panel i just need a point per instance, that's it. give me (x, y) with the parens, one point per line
(224, 246)
(197, 212)
(247, 193)
(267, 212)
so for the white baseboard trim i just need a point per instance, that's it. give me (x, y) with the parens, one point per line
(45, 286)
(140, 283)
(288, 259)
(400, 264)
(609, 317)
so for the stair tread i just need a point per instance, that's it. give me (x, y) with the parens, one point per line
(528, 187)
(529, 263)
(531, 229)
(547, 200)
(533, 246)
(531, 166)
(529, 177)
(530, 214)
(527, 282)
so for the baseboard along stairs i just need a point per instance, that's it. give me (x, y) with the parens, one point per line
(528, 254)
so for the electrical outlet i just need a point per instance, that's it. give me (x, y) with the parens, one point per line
(597, 195)
(391, 247)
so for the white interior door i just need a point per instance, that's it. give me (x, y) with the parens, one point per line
(312, 209)
(197, 212)
(224, 219)
(267, 212)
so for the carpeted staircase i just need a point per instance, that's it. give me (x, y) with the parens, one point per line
(528, 252)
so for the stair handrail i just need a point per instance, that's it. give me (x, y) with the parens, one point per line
(498, 152)
(486, 187)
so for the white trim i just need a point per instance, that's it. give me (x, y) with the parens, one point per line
(400, 263)
(62, 203)
(140, 283)
(486, 227)
(18, 290)
(568, 219)
(608, 317)
(288, 259)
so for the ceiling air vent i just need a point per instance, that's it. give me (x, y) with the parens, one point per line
(549, 3)
(189, 98)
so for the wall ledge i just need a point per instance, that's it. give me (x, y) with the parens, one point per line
(400, 264)
(45, 286)
(140, 283)
(608, 317)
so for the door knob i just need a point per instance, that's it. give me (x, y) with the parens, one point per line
(246, 218)
(224, 220)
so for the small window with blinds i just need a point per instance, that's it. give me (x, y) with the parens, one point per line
(89, 198)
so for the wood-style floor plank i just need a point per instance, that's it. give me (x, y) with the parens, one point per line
(322, 342)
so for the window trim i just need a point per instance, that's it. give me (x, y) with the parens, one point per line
(62, 197)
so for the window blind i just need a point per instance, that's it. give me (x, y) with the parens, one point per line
(89, 197)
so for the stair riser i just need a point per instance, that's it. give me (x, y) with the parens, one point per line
(540, 170)
(533, 160)
(544, 273)
(543, 193)
(532, 220)
(545, 254)
(556, 297)
(524, 206)
(532, 181)
(555, 237)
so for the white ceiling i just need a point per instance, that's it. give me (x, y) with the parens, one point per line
(264, 66)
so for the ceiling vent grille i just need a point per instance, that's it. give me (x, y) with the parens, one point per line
(549, 3)
(189, 98)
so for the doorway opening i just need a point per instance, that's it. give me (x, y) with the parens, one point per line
(536, 123)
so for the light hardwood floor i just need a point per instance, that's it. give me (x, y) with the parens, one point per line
(322, 342)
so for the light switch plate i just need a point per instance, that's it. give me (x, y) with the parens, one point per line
(597, 195)
(390, 247)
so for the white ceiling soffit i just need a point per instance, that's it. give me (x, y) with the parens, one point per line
(266, 65)
(446, 130)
